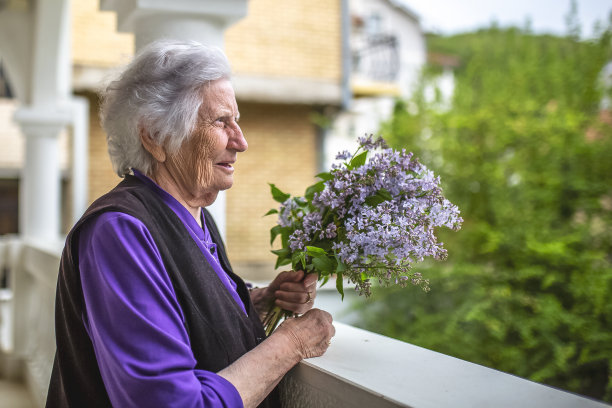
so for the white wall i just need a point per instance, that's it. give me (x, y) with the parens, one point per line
(367, 113)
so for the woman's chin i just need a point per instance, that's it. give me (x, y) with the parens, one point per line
(210, 195)
(206, 199)
(223, 183)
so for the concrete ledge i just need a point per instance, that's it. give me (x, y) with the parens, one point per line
(287, 90)
(364, 369)
(248, 88)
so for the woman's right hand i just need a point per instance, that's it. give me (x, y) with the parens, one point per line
(310, 333)
(257, 372)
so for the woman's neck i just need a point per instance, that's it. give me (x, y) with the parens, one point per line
(166, 181)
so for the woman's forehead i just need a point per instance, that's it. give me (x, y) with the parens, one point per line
(219, 95)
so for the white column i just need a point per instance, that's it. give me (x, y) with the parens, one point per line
(51, 63)
(46, 111)
(80, 156)
(197, 20)
(40, 189)
(151, 27)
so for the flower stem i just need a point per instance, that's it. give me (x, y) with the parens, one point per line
(273, 318)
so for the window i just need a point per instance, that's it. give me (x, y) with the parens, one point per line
(374, 24)
(9, 206)
(5, 90)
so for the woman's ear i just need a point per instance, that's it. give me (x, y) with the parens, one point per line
(157, 151)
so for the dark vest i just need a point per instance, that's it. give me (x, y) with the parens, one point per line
(218, 329)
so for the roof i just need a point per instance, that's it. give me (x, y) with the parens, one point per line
(402, 6)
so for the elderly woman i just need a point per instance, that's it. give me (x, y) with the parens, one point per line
(149, 312)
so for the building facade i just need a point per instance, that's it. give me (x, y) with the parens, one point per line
(287, 66)
(388, 51)
(293, 64)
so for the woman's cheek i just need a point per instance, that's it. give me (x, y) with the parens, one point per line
(204, 163)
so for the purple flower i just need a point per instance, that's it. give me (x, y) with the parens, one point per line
(343, 155)
(330, 231)
(378, 218)
(288, 212)
(298, 240)
(368, 142)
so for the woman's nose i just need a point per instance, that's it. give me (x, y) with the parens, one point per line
(237, 140)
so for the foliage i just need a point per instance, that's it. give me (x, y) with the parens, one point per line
(526, 153)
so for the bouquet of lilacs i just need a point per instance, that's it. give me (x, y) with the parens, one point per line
(368, 218)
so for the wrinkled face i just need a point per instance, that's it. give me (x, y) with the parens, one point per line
(204, 164)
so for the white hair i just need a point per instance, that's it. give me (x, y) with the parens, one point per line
(160, 91)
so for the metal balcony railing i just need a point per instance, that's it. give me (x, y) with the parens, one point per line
(377, 58)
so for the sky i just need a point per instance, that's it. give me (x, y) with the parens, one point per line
(547, 16)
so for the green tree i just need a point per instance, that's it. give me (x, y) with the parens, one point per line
(525, 151)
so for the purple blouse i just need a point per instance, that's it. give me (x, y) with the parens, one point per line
(134, 319)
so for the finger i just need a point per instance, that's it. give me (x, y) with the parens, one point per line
(286, 276)
(310, 280)
(325, 316)
(294, 297)
(275, 284)
(290, 276)
(299, 308)
(296, 287)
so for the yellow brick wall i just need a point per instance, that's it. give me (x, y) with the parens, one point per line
(282, 150)
(296, 38)
(102, 178)
(95, 40)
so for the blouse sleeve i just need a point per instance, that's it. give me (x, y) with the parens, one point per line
(135, 322)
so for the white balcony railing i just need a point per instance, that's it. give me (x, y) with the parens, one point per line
(360, 369)
(27, 325)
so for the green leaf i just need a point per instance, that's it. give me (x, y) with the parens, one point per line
(381, 196)
(298, 260)
(303, 259)
(278, 195)
(384, 193)
(325, 244)
(326, 176)
(282, 261)
(358, 160)
(374, 200)
(315, 188)
(340, 284)
(283, 257)
(281, 252)
(315, 251)
(300, 201)
(324, 264)
(285, 232)
(274, 231)
(272, 211)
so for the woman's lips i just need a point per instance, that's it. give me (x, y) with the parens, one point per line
(225, 165)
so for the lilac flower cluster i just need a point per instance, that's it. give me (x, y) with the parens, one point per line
(378, 216)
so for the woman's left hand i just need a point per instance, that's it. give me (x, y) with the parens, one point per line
(290, 290)
(293, 291)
